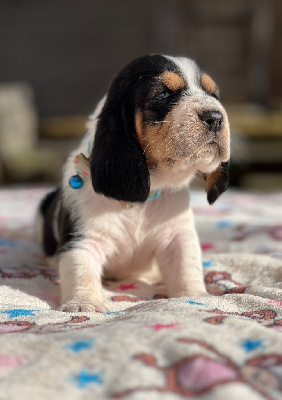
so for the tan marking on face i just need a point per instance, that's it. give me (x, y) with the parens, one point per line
(153, 139)
(212, 179)
(172, 81)
(139, 126)
(208, 84)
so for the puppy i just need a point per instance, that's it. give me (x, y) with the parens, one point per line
(123, 201)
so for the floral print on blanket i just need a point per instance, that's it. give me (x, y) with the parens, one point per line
(200, 373)
(148, 346)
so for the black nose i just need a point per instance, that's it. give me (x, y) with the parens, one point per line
(213, 119)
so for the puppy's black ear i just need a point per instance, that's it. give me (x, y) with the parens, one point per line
(118, 163)
(216, 182)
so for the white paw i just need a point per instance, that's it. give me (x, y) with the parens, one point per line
(83, 306)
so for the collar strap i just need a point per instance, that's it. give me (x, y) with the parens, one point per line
(81, 164)
(154, 194)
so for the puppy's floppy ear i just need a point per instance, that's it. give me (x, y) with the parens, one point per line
(118, 163)
(216, 182)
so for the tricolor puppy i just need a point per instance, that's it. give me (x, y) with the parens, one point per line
(124, 201)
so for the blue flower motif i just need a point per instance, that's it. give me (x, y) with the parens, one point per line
(114, 312)
(250, 344)
(86, 378)
(224, 224)
(196, 303)
(7, 242)
(19, 312)
(208, 263)
(80, 345)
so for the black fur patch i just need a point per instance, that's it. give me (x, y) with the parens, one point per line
(47, 201)
(221, 185)
(159, 107)
(68, 232)
(47, 208)
(152, 95)
(66, 226)
(118, 163)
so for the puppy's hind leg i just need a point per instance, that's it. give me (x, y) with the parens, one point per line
(80, 274)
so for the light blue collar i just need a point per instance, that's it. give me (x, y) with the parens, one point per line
(154, 194)
(82, 168)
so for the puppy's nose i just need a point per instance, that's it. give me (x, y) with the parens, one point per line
(213, 119)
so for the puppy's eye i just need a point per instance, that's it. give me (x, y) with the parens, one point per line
(215, 95)
(163, 95)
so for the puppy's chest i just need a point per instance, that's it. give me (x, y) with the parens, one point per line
(121, 235)
(126, 225)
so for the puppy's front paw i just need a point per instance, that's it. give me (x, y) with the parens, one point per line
(83, 306)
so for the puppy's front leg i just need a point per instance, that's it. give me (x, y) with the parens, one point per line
(80, 274)
(180, 262)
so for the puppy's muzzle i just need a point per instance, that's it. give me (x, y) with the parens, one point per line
(212, 119)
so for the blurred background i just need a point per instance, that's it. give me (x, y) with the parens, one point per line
(58, 57)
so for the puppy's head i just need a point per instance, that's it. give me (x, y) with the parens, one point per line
(162, 123)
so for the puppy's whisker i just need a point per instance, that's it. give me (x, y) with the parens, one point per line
(161, 122)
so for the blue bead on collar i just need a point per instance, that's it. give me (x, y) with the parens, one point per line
(82, 168)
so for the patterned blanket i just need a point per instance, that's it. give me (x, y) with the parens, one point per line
(148, 346)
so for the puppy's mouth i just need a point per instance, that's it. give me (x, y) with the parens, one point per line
(205, 158)
(207, 155)
(210, 146)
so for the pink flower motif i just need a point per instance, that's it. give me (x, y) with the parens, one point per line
(279, 303)
(207, 246)
(7, 361)
(158, 327)
(202, 372)
(126, 287)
